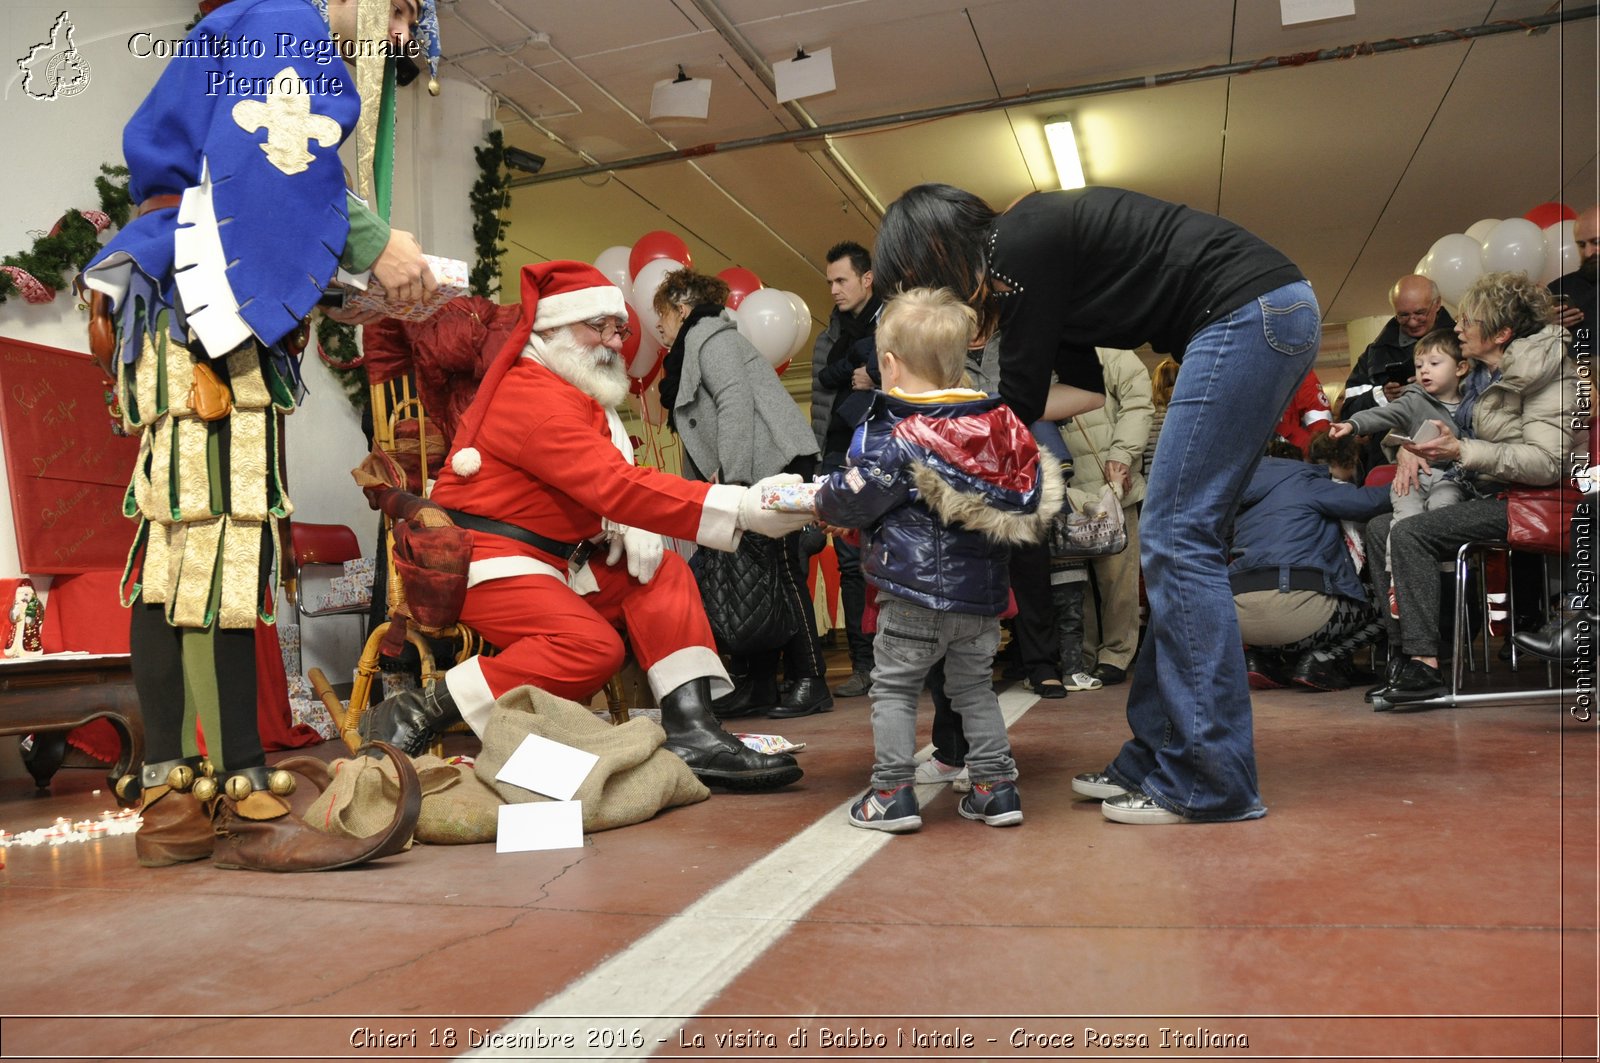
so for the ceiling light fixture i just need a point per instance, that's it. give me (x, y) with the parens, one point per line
(681, 97)
(526, 161)
(1064, 151)
(807, 74)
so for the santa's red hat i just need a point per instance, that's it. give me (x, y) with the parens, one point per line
(553, 294)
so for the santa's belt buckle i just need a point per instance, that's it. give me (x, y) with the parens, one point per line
(580, 555)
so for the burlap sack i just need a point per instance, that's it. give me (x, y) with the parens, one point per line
(634, 779)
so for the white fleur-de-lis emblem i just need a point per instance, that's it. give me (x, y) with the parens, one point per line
(290, 124)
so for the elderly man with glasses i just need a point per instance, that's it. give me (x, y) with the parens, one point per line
(567, 554)
(1384, 368)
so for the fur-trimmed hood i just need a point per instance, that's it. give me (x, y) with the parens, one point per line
(973, 509)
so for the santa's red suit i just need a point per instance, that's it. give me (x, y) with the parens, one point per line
(1308, 413)
(547, 458)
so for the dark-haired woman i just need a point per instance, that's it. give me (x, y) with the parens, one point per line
(1059, 273)
(738, 425)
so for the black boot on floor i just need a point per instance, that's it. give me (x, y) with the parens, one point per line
(1321, 675)
(412, 719)
(1391, 672)
(715, 756)
(804, 697)
(751, 696)
(1265, 670)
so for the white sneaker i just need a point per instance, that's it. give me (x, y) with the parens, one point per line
(934, 770)
(1082, 681)
(1098, 785)
(1137, 809)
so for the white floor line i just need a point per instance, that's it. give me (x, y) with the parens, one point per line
(673, 971)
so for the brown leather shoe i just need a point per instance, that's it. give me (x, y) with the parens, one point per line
(175, 828)
(260, 833)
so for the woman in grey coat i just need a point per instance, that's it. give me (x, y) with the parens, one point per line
(738, 425)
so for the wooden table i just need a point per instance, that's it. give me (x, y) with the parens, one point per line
(49, 696)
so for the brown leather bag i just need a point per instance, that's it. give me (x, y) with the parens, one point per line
(209, 395)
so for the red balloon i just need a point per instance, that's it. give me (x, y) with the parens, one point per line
(654, 245)
(1548, 214)
(741, 282)
(630, 346)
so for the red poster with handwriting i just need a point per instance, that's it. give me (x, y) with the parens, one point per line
(68, 468)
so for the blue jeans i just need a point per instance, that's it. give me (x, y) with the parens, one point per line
(910, 641)
(1193, 750)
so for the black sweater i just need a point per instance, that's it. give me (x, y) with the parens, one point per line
(1105, 267)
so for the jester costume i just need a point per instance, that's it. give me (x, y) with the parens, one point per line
(243, 218)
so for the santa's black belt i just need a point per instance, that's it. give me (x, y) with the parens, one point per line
(575, 554)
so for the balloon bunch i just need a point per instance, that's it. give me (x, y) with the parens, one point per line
(1539, 244)
(778, 323)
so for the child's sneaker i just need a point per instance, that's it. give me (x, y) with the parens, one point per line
(999, 805)
(1394, 602)
(1082, 681)
(934, 770)
(894, 811)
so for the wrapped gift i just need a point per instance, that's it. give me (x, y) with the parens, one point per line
(790, 498)
(311, 712)
(451, 273)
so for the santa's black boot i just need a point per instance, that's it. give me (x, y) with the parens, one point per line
(715, 756)
(412, 719)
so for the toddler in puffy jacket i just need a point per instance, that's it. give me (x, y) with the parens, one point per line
(941, 480)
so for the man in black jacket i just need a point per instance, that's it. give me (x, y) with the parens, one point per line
(1385, 366)
(842, 383)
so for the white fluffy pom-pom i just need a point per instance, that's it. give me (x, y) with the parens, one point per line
(466, 461)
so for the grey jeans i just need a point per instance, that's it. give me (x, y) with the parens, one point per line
(1416, 546)
(910, 641)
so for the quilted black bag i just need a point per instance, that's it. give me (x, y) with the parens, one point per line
(749, 594)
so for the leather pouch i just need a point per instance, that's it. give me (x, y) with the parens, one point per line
(209, 395)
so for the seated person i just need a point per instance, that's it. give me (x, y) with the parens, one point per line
(541, 466)
(1294, 582)
(940, 515)
(1521, 435)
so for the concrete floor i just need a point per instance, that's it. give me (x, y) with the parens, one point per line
(1424, 887)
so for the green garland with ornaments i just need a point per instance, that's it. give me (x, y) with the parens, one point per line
(40, 272)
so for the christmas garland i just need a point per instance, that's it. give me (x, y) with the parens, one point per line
(336, 346)
(37, 274)
(491, 195)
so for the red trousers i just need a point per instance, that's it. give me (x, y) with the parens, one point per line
(569, 645)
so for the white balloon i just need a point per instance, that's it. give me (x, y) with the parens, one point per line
(1560, 252)
(1516, 245)
(644, 360)
(1453, 263)
(1480, 229)
(613, 262)
(644, 292)
(766, 319)
(802, 323)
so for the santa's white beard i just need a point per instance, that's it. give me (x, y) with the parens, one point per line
(597, 371)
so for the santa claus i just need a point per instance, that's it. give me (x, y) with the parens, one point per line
(567, 553)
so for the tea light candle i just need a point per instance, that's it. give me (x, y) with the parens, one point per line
(98, 830)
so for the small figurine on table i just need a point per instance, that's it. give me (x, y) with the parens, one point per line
(27, 623)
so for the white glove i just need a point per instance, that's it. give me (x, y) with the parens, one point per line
(644, 550)
(772, 523)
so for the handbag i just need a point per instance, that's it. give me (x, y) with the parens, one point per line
(748, 594)
(1096, 530)
(1540, 518)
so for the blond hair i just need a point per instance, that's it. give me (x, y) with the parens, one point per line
(929, 331)
(1508, 300)
(1163, 378)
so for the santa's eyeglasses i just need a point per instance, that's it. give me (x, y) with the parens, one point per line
(607, 327)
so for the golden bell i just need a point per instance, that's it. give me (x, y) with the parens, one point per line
(433, 86)
(238, 787)
(206, 767)
(181, 777)
(281, 783)
(124, 785)
(205, 788)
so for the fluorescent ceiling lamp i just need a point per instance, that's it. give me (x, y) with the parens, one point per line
(1294, 12)
(681, 97)
(804, 75)
(1064, 150)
